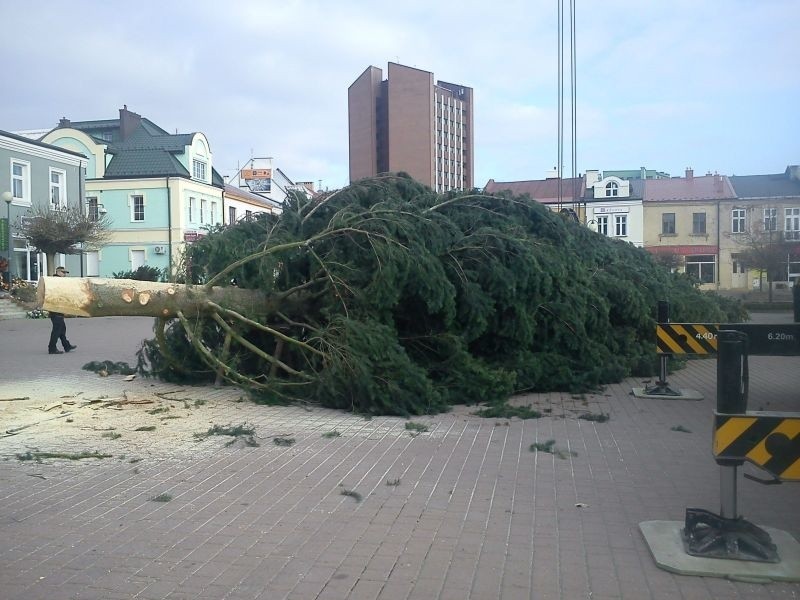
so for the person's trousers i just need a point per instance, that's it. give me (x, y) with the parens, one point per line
(59, 332)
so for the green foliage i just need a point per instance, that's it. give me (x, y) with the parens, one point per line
(391, 299)
(143, 273)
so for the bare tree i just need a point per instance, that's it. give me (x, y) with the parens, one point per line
(63, 231)
(764, 250)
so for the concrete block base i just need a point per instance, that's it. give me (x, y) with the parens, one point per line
(666, 546)
(685, 395)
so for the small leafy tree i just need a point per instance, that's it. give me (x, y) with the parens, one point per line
(63, 231)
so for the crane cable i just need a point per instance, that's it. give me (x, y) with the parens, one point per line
(573, 105)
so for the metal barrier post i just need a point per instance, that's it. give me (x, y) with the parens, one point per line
(732, 383)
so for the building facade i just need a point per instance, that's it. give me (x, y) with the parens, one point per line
(160, 191)
(36, 175)
(409, 123)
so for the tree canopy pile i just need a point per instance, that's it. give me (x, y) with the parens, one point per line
(389, 298)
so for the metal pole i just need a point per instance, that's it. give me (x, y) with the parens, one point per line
(8, 198)
(731, 399)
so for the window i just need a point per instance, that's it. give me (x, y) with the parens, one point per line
(92, 209)
(190, 216)
(770, 219)
(199, 170)
(248, 214)
(668, 223)
(701, 267)
(231, 214)
(20, 180)
(620, 225)
(738, 223)
(58, 192)
(203, 209)
(792, 223)
(612, 189)
(699, 223)
(213, 213)
(737, 264)
(137, 208)
(602, 224)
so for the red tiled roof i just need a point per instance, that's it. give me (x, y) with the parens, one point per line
(705, 187)
(543, 190)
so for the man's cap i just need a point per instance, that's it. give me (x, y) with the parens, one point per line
(62, 269)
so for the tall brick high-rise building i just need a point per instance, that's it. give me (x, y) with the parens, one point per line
(408, 123)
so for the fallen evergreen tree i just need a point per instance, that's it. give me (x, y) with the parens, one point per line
(385, 297)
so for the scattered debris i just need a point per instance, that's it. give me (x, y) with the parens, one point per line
(550, 448)
(146, 428)
(680, 428)
(112, 435)
(581, 505)
(108, 367)
(244, 432)
(15, 399)
(283, 441)
(417, 427)
(506, 411)
(596, 417)
(38, 456)
(353, 494)
(393, 482)
(331, 434)
(161, 498)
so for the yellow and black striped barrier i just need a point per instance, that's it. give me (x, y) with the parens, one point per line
(686, 338)
(769, 440)
(701, 338)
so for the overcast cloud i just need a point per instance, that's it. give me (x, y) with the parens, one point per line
(712, 85)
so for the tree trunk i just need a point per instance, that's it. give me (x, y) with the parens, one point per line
(95, 297)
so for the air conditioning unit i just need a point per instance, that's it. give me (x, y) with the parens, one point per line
(160, 249)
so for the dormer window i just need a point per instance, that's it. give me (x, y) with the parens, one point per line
(612, 189)
(199, 170)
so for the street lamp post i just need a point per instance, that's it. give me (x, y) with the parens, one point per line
(8, 197)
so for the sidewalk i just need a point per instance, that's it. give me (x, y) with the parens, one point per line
(462, 510)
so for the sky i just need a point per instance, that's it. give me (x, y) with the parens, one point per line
(710, 85)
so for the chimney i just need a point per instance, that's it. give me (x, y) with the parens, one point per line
(689, 173)
(128, 122)
(64, 122)
(643, 172)
(717, 182)
(592, 177)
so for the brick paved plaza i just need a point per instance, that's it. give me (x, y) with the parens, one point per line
(463, 510)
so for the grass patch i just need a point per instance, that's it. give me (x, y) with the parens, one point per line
(417, 427)
(331, 434)
(506, 411)
(161, 498)
(112, 435)
(157, 411)
(680, 428)
(353, 494)
(283, 441)
(146, 428)
(393, 482)
(550, 447)
(596, 417)
(38, 456)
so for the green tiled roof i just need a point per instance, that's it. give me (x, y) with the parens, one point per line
(149, 151)
(145, 162)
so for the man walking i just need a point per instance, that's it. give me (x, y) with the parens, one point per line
(59, 331)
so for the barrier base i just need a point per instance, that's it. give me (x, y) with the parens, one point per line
(676, 394)
(665, 540)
